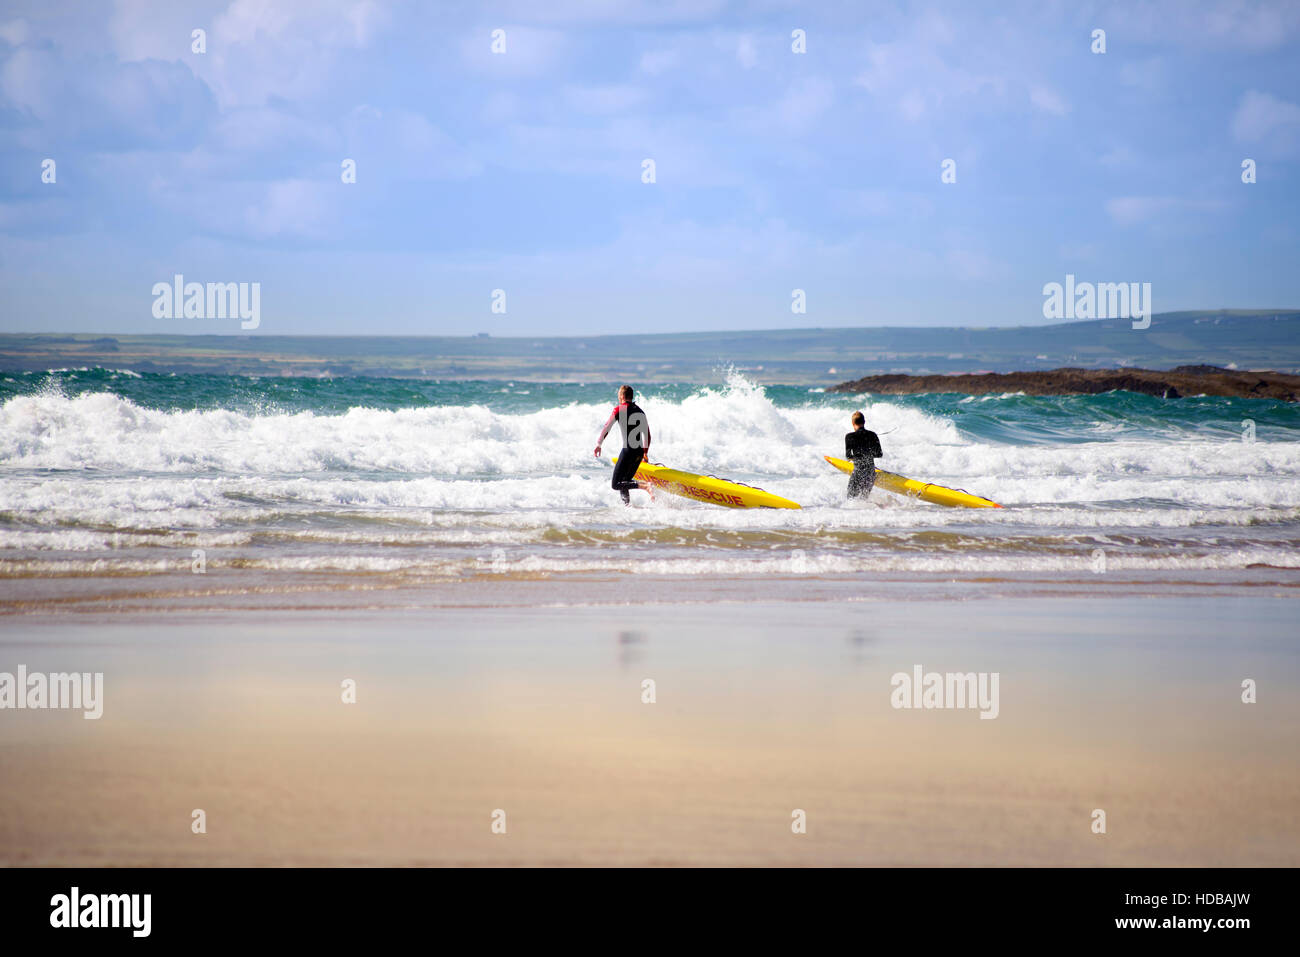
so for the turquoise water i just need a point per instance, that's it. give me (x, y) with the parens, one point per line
(1015, 418)
(106, 472)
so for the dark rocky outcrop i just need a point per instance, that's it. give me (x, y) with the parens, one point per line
(1173, 384)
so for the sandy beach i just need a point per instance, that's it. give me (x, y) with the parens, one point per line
(1130, 704)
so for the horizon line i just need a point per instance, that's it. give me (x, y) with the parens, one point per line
(1242, 313)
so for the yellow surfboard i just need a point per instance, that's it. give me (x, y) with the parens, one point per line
(708, 488)
(925, 491)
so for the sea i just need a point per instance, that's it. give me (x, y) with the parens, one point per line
(115, 474)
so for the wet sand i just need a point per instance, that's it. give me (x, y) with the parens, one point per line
(1127, 704)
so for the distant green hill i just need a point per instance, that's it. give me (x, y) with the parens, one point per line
(1246, 339)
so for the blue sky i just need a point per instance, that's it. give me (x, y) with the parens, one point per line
(522, 170)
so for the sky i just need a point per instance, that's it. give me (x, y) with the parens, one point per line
(524, 170)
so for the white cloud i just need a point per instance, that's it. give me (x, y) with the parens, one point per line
(615, 150)
(912, 105)
(798, 108)
(1135, 210)
(1147, 75)
(103, 103)
(972, 264)
(641, 12)
(1131, 210)
(614, 98)
(395, 144)
(206, 194)
(529, 51)
(141, 30)
(922, 70)
(1118, 157)
(295, 208)
(255, 50)
(30, 80)
(1048, 101)
(805, 100)
(14, 32)
(261, 130)
(325, 23)
(1233, 24)
(654, 62)
(286, 209)
(746, 55)
(1264, 119)
(885, 203)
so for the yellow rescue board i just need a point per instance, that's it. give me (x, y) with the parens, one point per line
(925, 491)
(707, 488)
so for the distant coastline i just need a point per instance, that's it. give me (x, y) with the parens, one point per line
(817, 357)
(1173, 384)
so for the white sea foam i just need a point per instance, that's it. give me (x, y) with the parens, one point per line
(736, 429)
(779, 564)
(96, 472)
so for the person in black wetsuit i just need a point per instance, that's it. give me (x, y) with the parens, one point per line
(862, 448)
(636, 442)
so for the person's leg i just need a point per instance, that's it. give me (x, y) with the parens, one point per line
(855, 483)
(861, 481)
(624, 480)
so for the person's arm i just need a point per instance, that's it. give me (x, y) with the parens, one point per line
(876, 451)
(645, 457)
(609, 423)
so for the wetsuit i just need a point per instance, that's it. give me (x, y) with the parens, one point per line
(862, 448)
(636, 445)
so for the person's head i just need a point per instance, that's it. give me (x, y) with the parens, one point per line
(625, 393)
(859, 420)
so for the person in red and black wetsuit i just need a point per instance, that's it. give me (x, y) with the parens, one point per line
(636, 442)
(862, 448)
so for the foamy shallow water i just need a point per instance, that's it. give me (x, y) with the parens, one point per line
(100, 476)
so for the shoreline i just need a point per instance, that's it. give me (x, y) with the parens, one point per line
(232, 591)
